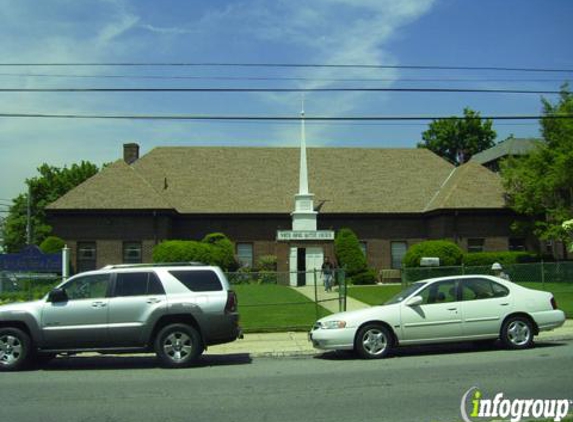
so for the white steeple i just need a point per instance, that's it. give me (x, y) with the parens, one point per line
(303, 172)
(304, 215)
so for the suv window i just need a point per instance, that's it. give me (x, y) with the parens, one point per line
(198, 280)
(137, 284)
(87, 287)
(482, 288)
(442, 292)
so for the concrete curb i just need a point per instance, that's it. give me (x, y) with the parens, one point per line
(283, 355)
(295, 345)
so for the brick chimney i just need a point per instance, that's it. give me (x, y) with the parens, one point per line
(130, 153)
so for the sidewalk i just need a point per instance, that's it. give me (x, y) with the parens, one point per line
(296, 344)
(329, 300)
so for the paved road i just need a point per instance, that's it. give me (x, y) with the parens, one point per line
(422, 384)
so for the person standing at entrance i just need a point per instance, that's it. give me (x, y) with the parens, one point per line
(327, 274)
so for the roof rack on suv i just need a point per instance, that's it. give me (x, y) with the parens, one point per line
(156, 264)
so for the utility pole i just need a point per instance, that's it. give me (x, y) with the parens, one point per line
(29, 217)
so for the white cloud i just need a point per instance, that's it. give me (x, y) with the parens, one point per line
(318, 31)
(167, 30)
(337, 32)
(116, 28)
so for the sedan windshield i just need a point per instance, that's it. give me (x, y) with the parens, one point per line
(404, 294)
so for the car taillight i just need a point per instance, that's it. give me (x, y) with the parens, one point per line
(553, 302)
(231, 305)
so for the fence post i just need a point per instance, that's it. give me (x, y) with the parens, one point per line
(463, 269)
(542, 275)
(65, 263)
(341, 281)
(315, 295)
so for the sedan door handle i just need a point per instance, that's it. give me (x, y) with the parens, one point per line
(452, 309)
(98, 304)
(504, 304)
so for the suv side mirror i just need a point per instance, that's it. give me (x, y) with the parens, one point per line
(415, 301)
(57, 295)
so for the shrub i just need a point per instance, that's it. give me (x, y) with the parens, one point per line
(367, 277)
(223, 251)
(477, 259)
(170, 251)
(348, 253)
(449, 253)
(52, 244)
(267, 263)
(266, 269)
(215, 249)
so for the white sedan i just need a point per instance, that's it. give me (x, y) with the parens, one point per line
(440, 310)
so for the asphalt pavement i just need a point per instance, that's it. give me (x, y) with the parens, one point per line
(422, 384)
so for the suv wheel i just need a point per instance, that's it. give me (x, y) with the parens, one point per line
(178, 345)
(15, 349)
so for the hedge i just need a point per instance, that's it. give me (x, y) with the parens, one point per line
(449, 253)
(214, 249)
(366, 277)
(477, 259)
(224, 250)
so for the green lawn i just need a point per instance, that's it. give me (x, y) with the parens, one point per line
(373, 295)
(271, 307)
(376, 295)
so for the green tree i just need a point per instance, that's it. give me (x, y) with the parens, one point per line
(457, 140)
(351, 258)
(348, 252)
(52, 183)
(540, 185)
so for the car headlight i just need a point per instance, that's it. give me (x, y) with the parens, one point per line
(330, 325)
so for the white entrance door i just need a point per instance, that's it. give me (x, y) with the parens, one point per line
(314, 260)
(293, 265)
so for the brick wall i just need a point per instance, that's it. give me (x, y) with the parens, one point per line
(378, 231)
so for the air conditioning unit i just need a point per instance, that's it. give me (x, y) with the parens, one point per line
(429, 261)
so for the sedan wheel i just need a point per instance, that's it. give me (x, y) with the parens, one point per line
(15, 348)
(373, 342)
(517, 333)
(178, 345)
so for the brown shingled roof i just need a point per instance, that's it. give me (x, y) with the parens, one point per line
(218, 180)
(118, 186)
(469, 186)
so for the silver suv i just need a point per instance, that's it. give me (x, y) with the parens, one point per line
(174, 310)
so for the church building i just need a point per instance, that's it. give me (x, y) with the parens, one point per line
(287, 202)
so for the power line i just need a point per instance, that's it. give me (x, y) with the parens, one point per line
(288, 65)
(362, 124)
(277, 118)
(255, 90)
(278, 78)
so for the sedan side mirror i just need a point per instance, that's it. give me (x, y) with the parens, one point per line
(57, 295)
(415, 301)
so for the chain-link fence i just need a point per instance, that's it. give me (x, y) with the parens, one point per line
(268, 301)
(554, 277)
(18, 286)
(541, 274)
(278, 301)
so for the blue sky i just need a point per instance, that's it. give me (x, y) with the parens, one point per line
(508, 33)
